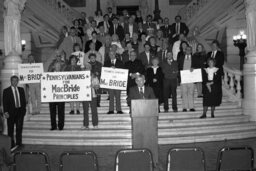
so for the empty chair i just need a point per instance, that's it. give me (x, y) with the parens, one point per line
(186, 159)
(31, 161)
(78, 161)
(235, 158)
(134, 160)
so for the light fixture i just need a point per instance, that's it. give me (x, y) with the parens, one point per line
(23, 45)
(240, 42)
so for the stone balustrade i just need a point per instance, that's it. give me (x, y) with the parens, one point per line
(232, 83)
(63, 8)
(192, 8)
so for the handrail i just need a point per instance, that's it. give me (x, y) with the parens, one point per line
(191, 9)
(64, 9)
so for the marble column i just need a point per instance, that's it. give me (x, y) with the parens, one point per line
(249, 72)
(98, 5)
(157, 11)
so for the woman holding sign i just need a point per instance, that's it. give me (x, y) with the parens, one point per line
(212, 87)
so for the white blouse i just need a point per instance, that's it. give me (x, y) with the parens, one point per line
(154, 69)
(210, 72)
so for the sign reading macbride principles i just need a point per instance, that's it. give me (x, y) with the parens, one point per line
(113, 78)
(30, 73)
(66, 86)
(191, 77)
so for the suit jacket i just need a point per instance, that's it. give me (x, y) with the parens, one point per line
(219, 60)
(9, 102)
(119, 31)
(134, 93)
(126, 28)
(118, 64)
(144, 59)
(183, 28)
(166, 31)
(98, 44)
(147, 25)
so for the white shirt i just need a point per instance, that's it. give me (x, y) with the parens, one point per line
(155, 69)
(18, 93)
(214, 53)
(131, 30)
(210, 72)
(176, 49)
(113, 61)
(148, 56)
(143, 89)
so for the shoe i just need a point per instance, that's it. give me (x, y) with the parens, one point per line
(98, 105)
(203, 116)
(165, 110)
(184, 110)
(52, 129)
(192, 110)
(200, 96)
(84, 127)
(71, 112)
(77, 112)
(110, 112)
(95, 127)
(175, 110)
(120, 112)
(60, 129)
(212, 116)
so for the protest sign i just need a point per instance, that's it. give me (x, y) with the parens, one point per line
(191, 77)
(66, 86)
(113, 78)
(30, 73)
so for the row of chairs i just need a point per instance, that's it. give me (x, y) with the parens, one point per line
(179, 159)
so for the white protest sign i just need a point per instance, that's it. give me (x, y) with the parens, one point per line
(191, 77)
(80, 56)
(30, 73)
(113, 78)
(66, 86)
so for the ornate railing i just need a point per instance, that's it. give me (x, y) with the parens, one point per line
(232, 82)
(63, 8)
(192, 8)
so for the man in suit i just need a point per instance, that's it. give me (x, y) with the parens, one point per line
(162, 54)
(116, 28)
(14, 105)
(177, 28)
(149, 24)
(140, 91)
(110, 14)
(94, 40)
(114, 63)
(146, 56)
(217, 55)
(68, 42)
(185, 63)
(166, 29)
(130, 27)
(106, 23)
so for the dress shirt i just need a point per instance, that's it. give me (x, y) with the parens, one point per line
(131, 29)
(148, 56)
(177, 28)
(214, 54)
(17, 101)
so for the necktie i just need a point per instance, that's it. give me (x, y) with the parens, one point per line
(141, 93)
(17, 102)
(213, 54)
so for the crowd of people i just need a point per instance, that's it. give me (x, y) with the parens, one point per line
(154, 53)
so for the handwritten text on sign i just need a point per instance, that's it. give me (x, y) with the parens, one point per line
(191, 77)
(66, 86)
(114, 78)
(30, 73)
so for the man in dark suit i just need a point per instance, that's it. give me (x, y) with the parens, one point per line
(106, 23)
(149, 24)
(116, 28)
(97, 43)
(166, 29)
(130, 27)
(162, 54)
(110, 14)
(217, 55)
(177, 28)
(114, 63)
(146, 56)
(14, 105)
(140, 91)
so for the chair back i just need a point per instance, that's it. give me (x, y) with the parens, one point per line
(235, 158)
(31, 161)
(184, 159)
(134, 160)
(78, 161)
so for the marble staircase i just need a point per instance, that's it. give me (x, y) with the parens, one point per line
(173, 128)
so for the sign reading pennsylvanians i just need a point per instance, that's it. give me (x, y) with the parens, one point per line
(66, 86)
(30, 73)
(114, 78)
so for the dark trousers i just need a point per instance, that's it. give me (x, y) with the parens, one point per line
(170, 86)
(114, 94)
(16, 119)
(60, 106)
(94, 112)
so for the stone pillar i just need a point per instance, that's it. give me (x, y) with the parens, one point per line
(249, 101)
(98, 5)
(157, 11)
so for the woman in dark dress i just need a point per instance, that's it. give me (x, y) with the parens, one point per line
(212, 87)
(154, 79)
(153, 46)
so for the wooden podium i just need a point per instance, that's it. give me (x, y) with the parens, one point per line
(144, 114)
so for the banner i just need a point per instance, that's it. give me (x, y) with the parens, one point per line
(66, 86)
(114, 78)
(30, 73)
(191, 77)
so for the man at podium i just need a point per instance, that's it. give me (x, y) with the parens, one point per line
(140, 91)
